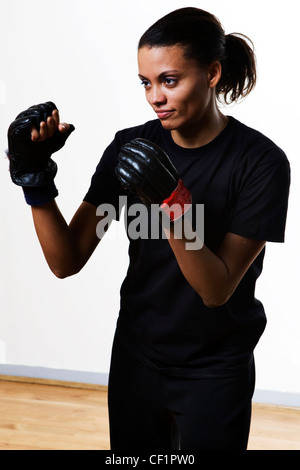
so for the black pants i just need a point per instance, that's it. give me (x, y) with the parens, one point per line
(149, 411)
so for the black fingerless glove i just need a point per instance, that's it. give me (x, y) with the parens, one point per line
(145, 169)
(30, 162)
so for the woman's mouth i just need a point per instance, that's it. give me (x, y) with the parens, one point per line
(164, 113)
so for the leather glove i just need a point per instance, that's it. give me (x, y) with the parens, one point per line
(145, 169)
(30, 162)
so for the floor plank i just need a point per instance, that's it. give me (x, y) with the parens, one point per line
(42, 417)
(274, 428)
(49, 417)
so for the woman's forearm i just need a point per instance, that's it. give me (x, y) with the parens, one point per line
(214, 276)
(67, 247)
(56, 239)
(203, 270)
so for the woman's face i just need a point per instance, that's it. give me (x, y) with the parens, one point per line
(177, 89)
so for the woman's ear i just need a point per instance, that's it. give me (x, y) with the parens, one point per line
(214, 74)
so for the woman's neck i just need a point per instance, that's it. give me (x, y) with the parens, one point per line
(202, 132)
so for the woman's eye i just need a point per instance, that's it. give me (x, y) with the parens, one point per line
(145, 83)
(170, 81)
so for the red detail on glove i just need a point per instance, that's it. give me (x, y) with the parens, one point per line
(178, 202)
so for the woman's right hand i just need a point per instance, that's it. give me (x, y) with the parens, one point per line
(49, 127)
(33, 137)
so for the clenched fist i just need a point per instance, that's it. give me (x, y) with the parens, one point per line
(33, 137)
(145, 169)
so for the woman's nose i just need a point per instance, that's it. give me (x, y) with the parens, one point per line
(156, 97)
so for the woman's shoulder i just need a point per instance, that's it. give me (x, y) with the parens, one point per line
(254, 142)
(149, 130)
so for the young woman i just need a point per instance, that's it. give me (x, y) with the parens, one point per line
(182, 370)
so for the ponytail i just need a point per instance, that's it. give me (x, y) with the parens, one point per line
(238, 69)
(202, 36)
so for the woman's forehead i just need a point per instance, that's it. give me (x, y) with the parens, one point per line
(166, 57)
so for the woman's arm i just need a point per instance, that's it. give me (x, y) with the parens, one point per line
(66, 248)
(215, 276)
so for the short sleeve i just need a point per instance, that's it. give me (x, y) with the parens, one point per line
(261, 197)
(105, 187)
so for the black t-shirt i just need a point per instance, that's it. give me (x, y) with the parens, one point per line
(242, 178)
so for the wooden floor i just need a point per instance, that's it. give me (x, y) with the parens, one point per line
(49, 417)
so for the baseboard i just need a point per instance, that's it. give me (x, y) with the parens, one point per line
(96, 380)
(53, 383)
(274, 397)
(45, 375)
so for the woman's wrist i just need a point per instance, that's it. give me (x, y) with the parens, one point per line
(38, 195)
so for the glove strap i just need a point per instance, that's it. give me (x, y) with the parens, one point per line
(178, 202)
(38, 195)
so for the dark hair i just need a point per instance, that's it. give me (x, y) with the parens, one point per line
(203, 38)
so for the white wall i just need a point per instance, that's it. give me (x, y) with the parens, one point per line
(81, 54)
